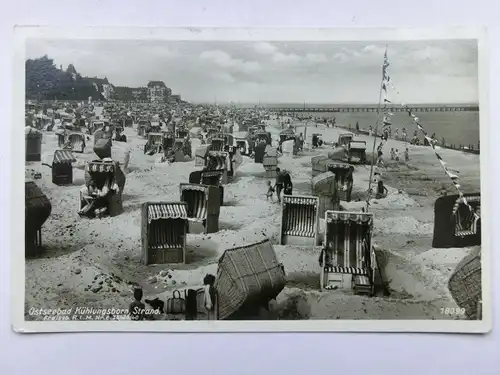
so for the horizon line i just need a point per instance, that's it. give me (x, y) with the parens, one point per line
(330, 103)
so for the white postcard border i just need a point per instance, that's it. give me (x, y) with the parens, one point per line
(242, 34)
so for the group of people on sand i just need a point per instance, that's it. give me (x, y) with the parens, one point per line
(387, 133)
(327, 122)
(394, 155)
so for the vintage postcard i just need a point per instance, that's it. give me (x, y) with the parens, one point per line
(251, 180)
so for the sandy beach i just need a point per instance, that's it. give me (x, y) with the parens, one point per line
(96, 262)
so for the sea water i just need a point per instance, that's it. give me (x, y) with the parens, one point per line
(457, 128)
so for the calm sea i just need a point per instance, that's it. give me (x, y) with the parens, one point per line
(456, 127)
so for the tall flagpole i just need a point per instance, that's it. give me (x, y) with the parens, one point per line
(376, 133)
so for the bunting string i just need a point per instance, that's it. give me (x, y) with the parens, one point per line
(451, 173)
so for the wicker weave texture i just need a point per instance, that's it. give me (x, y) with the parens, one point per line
(37, 207)
(465, 283)
(247, 274)
(316, 162)
(324, 184)
(102, 148)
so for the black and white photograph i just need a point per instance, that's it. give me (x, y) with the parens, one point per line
(331, 179)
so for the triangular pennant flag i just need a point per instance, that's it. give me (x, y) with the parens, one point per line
(453, 174)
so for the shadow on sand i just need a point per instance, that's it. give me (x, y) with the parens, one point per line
(200, 252)
(55, 250)
(304, 280)
(230, 226)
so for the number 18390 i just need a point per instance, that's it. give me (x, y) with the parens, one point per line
(452, 311)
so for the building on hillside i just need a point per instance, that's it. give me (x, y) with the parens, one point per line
(122, 93)
(174, 99)
(108, 91)
(103, 87)
(158, 91)
(140, 93)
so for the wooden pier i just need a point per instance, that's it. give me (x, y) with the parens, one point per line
(465, 108)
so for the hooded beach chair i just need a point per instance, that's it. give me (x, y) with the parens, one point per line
(348, 259)
(203, 207)
(163, 232)
(299, 220)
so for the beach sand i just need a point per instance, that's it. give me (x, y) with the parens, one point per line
(95, 263)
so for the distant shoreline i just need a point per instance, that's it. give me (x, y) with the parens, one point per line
(336, 105)
(297, 105)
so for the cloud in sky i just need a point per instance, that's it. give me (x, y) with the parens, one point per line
(264, 48)
(224, 60)
(278, 72)
(316, 58)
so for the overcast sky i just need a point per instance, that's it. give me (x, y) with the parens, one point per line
(334, 72)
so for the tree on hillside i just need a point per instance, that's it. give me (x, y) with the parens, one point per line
(42, 77)
(71, 69)
(45, 81)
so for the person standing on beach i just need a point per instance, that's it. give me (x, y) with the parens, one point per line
(381, 190)
(210, 297)
(136, 308)
(287, 183)
(407, 155)
(385, 134)
(270, 190)
(279, 184)
(380, 161)
(357, 128)
(301, 142)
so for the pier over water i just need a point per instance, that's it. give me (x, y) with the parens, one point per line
(458, 108)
